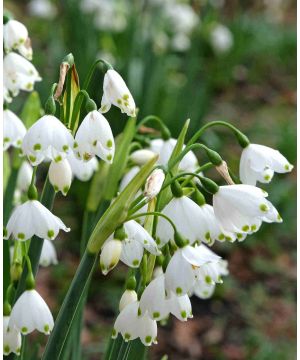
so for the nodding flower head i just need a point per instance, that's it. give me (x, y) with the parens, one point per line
(15, 37)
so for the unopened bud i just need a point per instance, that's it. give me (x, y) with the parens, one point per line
(60, 176)
(140, 157)
(110, 255)
(128, 297)
(15, 271)
(154, 184)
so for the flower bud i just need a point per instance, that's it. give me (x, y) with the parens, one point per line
(110, 255)
(140, 157)
(154, 183)
(128, 297)
(60, 176)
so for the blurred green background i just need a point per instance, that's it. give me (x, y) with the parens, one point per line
(205, 60)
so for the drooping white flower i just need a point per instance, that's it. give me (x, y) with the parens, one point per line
(116, 92)
(140, 157)
(48, 138)
(182, 17)
(179, 210)
(30, 313)
(33, 218)
(12, 339)
(18, 74)
(24, 176)
(259, 162)
(181, 271)
(15, 37)
(48, 254)
(242, 208)
(13, 130)
(130, 250)
(221, 39)
(159, 306)
(154, 183)
(165, 148)
(128, 297)
(82, 170)
(208, 276)
(131, 325)
(110, 255)
(94, 137)
(210, 229)
(60, 176)
(44, 9)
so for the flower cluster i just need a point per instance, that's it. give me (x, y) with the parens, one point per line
(158, 222)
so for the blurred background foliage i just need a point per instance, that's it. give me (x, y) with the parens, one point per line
(205, 60)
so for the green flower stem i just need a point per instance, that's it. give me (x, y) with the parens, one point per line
(36, 243)
(7, 208)
(162, 127)
(156, 213)
(74, 119)
(188, 148)
(92, 69)
(242, 138)
(70, 306)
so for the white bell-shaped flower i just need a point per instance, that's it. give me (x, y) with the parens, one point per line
(12, 339)
(30, 313)
(133, 246)
(48, 138)
(221, 39)
(48, 254)
(13, 130)
(210, 229)
(15, 37)
(116, 92)
(212, 273)
(140, 157)
(164, 149)
(33, 218)
(24, 176)
(130, 250)
(131, 325)
(159, 306)
(179, 210)
(128, 297)
(242, 208)
(94, 137)
(60, 176)
(208, 276)
(18, 74)
(259, 162)
(110, 255)
(154, 183)
(203, 290)
(82, 170)
(181, 271)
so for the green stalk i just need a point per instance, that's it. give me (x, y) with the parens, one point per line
(242, 139)
(7, 207)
